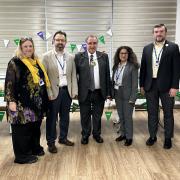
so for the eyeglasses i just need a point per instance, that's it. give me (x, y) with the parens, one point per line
(60, 40)
(123, 53)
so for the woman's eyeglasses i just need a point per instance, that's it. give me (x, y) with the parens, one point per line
(123, 53)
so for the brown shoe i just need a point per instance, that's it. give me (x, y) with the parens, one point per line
(66, 142)
(52, 148)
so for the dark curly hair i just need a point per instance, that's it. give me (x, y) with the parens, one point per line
(132, 58)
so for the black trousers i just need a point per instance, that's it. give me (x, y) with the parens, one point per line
(62, 106)
(92, 106)
(152, 97)
(26, 139)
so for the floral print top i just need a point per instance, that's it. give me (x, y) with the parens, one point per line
(31, 99)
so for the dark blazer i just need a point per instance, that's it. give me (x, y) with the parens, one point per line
(83, 74)
(129, 82)
(169, 68)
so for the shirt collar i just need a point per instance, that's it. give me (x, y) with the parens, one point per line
(58, 54)
(122, 65)
(94, 55)
(159, 44)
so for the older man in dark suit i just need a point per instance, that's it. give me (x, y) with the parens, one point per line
(93, 74)
(159, 78)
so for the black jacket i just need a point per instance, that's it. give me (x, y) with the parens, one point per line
(169, 68)
(83, 74)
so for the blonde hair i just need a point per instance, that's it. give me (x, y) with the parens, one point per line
(18, 51)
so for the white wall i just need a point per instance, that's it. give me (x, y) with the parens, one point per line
(178, 23)
(131, 22)
(178, 26)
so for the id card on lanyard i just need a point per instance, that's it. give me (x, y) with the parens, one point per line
(41, 82)
(118, 75)
(62, 65)
(157, 57)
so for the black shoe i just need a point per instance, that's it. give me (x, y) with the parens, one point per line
(52, 148)
(151, 141)
(120, 138)
(28, 160)
(84, 140)
(66, 142)
(98, 139)
(128, 142)
(39, 152)
(167, 143)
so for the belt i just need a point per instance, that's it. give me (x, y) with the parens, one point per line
(63, 87)
(95, 90)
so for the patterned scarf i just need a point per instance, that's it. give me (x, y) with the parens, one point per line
(34, 71)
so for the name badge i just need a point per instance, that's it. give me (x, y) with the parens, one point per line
(93, 63)
(41, 82)
(155, 71)
(116, 87)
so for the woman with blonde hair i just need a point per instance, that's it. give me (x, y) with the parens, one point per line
(26, 96)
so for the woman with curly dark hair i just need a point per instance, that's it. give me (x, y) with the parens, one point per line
(125, 85)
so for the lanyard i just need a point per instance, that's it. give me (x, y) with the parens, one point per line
(157, 56)
(118, 74)
(61, 65)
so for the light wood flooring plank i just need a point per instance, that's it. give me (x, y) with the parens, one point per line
(108, 161)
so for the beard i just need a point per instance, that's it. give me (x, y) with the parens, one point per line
(59, 47)
(160, 39)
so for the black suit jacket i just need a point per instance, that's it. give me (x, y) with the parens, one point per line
(169, 68)
(83, 74)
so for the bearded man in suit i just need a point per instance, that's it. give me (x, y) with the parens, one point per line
(159, 78)
(61, 71)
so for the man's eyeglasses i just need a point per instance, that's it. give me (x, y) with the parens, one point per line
(60, 40)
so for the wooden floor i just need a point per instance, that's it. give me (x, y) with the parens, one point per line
(107, 161)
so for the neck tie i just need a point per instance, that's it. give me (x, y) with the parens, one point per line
(92, 85)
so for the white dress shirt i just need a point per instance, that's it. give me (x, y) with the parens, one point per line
(61, 68)
(156, 57)
(96, 70)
